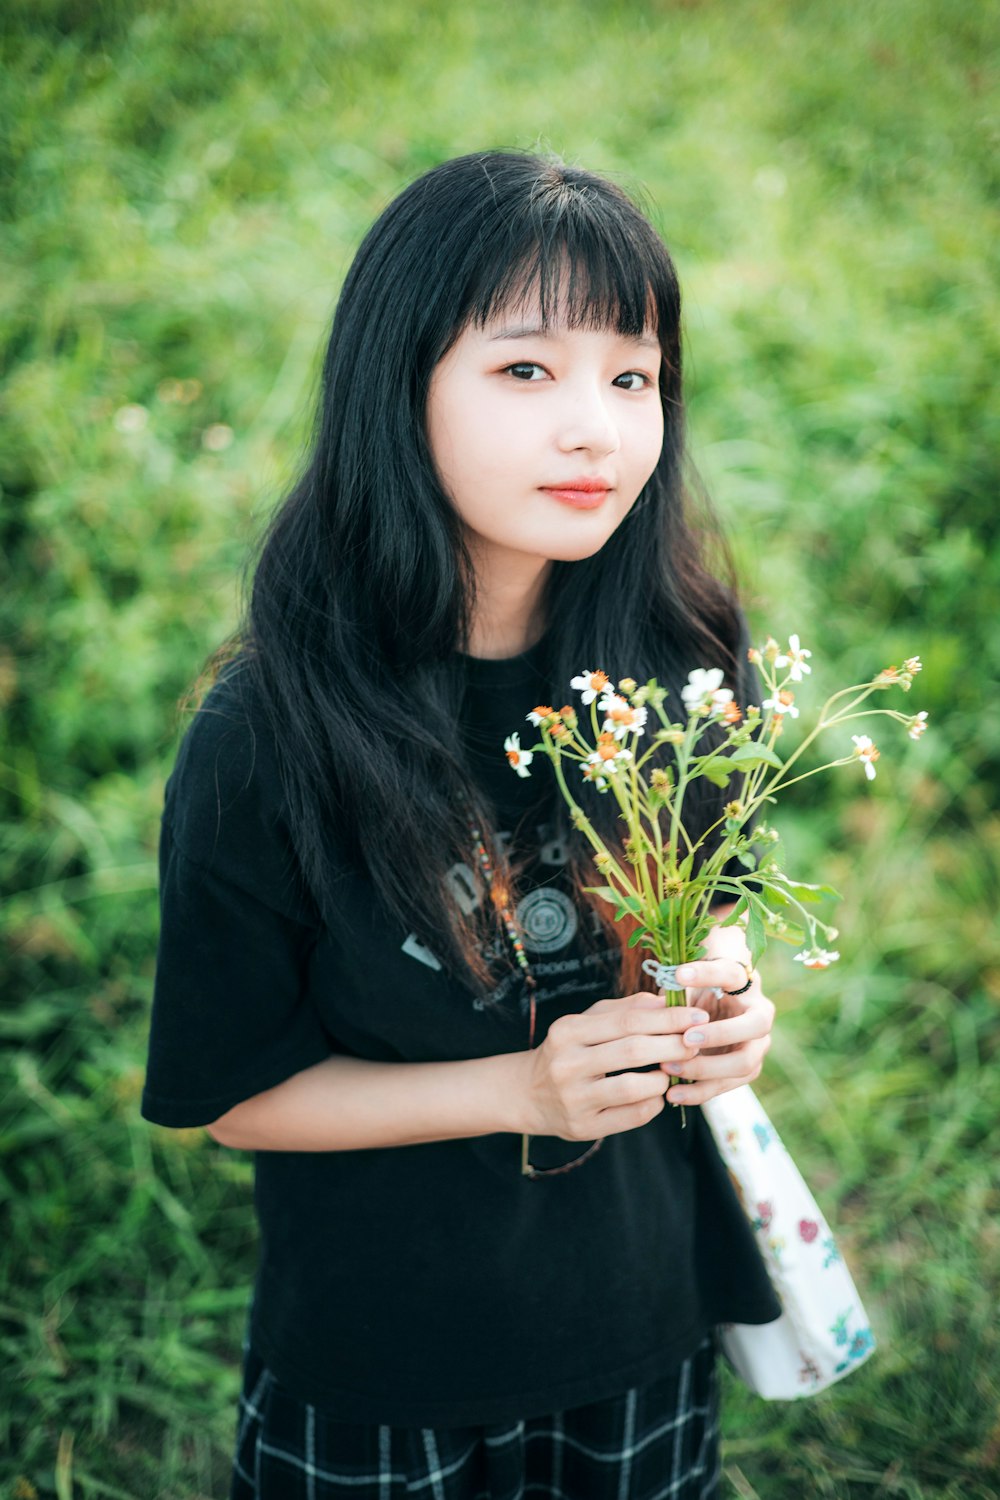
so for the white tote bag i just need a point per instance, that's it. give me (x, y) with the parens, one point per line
(824, 1332)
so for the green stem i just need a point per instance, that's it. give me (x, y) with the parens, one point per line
(590, 835)
(823, 723)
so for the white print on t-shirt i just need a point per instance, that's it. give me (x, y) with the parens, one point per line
(414, 948)
(462, 884)
(547, 918)
(588, 974)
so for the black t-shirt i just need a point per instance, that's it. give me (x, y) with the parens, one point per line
(426, 1284)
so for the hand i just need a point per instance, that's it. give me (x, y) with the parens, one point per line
(732, 1046)
(579, 1086)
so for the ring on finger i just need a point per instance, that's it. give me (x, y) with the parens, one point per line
(748, 971)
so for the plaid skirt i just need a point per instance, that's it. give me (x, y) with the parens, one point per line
(656, 1442)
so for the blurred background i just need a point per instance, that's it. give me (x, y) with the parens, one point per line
(182, 189)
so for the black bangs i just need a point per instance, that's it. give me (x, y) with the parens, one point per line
(583, 253)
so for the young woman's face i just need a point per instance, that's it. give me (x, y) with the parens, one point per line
(543, 438)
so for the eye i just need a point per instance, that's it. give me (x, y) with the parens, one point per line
(524, 370)
(637, 381)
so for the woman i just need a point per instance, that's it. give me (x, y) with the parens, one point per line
(494, 497)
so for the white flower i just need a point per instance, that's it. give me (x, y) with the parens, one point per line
(783, 703)
(606, 760)
(701, 682)
(593, 770)
(519, 759)
(622, 718)
(703, 692)
(795, 660)
(917, 725)
(816, 958)
(867, 752)
(540, 714)
(590, 684)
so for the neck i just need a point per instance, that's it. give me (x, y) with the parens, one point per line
(510, 605)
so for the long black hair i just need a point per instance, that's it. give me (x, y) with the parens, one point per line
(364, 588)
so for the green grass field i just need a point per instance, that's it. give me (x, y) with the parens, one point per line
(182, 189)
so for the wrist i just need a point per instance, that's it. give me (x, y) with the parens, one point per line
(516, 1110)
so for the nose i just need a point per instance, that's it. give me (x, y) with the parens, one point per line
(588, 422)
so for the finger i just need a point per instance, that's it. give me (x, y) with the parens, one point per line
(700, 1093)
(642, 1000)
(743, 1064)
(615, 1120)
(632, 1052)
(754, 1022)
(628, 1089)
(593, 1027)
(713, 973)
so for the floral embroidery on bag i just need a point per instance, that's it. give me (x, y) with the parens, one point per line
(765, 1213)
(861, 1343)
(808, 1230)
(764, 1135)
(832, 1256)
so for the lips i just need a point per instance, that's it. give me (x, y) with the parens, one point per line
(582, 493)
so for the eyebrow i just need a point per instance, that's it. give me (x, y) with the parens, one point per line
(528, 331)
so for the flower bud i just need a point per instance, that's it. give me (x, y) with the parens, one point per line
(628, 684)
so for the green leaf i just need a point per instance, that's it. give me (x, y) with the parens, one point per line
(604, 891)
(638, 936)
(736, 912)
(793, 935)
(716, 771)
(755, 754)
(805, 892)
(756, 933)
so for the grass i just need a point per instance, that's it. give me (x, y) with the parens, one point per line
(182, 189)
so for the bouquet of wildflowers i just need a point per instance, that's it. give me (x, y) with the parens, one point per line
(669, 881)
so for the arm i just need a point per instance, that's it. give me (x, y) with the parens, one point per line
(350, 1103)
(562, 1088)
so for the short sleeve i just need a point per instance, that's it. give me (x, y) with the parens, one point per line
(232, 1014)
